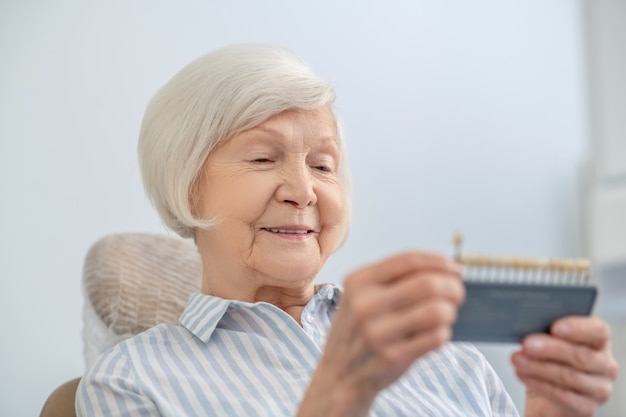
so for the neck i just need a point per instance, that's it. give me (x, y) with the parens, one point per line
(232, 278)
(291, 299)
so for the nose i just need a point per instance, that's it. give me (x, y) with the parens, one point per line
(297, 186)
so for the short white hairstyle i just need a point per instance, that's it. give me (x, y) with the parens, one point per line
(208, 102)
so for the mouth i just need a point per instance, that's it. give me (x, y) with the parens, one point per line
(288, 231)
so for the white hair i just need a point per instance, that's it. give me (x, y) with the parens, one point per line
(208, 102)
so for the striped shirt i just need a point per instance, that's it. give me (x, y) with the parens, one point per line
(232, 358)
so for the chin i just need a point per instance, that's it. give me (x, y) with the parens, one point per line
(293, 272)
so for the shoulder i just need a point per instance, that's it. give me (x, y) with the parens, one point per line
(123, 354)
(161, 334)
(120, 374)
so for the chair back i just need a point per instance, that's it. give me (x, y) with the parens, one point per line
(131, 282)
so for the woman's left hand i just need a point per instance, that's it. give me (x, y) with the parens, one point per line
(569, 372)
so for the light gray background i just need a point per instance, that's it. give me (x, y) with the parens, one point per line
(459, 116)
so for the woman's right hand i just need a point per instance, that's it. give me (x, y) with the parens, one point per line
(391, 313)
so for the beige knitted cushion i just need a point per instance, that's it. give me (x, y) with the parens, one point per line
(135, 281)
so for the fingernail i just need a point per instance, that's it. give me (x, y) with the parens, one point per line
(521, 365)
(562, 329)
(535, 345)
(521, 361)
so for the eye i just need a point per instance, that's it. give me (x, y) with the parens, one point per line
(323, 165)
(262, 160)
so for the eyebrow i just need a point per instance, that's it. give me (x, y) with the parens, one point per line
(263, 129)
(324, 138)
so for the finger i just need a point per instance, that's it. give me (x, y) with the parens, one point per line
(419, 287)
(589, 331)
(405, 293)
(399, 265)
(426, 285)
(407, 323)
(410, 349)
(598, 387)
(573, 403)
(552, 349)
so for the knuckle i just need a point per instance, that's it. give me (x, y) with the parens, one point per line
(360, 310)
(390, 357)
(410, 288)
(604, 392)
(459, 292)
(441, 335)
(434, 310)
(605, 331)
(582, 357)
(613, 369)
(420, 258)
(441, 312)
(568, 377)
(586, 408)
(371, 336)
(428, 286)
(454, 314)
(553, 391)
(413, 260)
(440, 285)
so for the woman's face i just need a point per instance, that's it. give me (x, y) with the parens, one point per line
(277, 192)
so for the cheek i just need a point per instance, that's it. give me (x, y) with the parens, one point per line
(331, 204)
(244, 199)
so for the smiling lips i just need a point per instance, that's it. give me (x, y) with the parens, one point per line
(288, 231)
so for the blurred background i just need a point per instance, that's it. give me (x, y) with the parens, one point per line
(505, 120)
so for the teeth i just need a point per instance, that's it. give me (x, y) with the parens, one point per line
(291, 232)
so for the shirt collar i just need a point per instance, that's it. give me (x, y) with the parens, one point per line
(204, 312)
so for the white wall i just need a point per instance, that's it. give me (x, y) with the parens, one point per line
(606, 33)
(606, 210)
(459, 115)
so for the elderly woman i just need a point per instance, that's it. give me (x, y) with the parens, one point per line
(242, 151)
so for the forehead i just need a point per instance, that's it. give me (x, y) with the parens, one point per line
(313, 127)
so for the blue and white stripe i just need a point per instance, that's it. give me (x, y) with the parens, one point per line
(231, 358)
